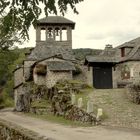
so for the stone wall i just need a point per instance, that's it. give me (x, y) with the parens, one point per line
(62, 106)
(128, 76)
(18, 77)
(9, 131)
(53, 77)
(27, 69)
(22, 97)
(90, 76)
(85, 76)
(67, 45)
(78, 114)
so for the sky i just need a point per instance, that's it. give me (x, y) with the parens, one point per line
(102, 22)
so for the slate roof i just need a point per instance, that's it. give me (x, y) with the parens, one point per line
(133, 56)
(106, 56)
(43, 52)
(130, 44)
(134, 53)
(111, 55)
(51, 20)
(60, 65)
(102, 59)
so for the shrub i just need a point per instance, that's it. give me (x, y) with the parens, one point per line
(77, 70)
(40, 69)
(133, 92)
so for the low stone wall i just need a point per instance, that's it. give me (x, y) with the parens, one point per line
(133, 93)
(62, 106)
(9, 131)
(77, 114)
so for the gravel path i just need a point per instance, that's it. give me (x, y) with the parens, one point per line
(118, 109)
(61, 132)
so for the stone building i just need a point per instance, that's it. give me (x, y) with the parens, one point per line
(115, 67)
(51, 59)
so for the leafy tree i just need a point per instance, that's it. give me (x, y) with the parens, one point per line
(16, 16)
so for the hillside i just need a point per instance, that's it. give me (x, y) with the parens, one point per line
(82, 53)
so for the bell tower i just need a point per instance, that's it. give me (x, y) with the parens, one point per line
(54, 30)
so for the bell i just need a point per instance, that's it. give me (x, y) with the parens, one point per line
(57, 33)
(50, 34)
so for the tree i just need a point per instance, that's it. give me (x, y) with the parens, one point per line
(18, 15)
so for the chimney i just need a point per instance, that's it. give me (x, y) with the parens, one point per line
(108, 46)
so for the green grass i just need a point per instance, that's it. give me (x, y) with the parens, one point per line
(58, 120)
(40, 104)
(6, 100)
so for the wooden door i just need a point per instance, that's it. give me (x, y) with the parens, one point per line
(102, 77)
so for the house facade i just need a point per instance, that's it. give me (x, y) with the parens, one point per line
(115, 67)
(50, 61)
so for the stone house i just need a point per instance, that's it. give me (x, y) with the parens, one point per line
(115, 67)
(51, 59)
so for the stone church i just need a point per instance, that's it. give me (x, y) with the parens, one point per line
(51, 59)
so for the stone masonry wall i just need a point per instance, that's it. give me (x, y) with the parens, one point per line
(53, 77)
(18, 77)
(85, 76)
(9, 131)
(27, 69)
(90, 76)
(22, 98)
(133, 67)
(64, 45)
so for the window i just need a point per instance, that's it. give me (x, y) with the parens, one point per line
(64, 34)
(122, 52)
(57, 34)
(43, 34)
(50, 33)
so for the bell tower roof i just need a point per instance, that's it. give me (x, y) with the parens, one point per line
(55, 20)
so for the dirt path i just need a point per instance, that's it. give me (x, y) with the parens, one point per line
(61, 132)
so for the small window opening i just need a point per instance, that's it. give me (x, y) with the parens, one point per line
(43, 34)
(57, 34)
(122, 52)
(64, 34)
(50, 33)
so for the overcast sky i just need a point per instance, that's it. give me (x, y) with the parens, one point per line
(102, 22)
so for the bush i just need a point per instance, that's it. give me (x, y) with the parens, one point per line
(77, 70)
(133, 92)
(40, 69)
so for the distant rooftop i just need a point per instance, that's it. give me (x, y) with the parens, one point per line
(56, 20)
